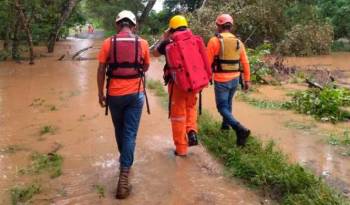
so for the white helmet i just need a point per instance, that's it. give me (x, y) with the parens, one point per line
(126, 15)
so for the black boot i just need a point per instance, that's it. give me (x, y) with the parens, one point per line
(224, 127)
(242, 135)
(192, 138)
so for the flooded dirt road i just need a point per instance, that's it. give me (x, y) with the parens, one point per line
(53, 106)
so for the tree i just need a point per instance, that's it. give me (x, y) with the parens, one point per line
(67, 9)
(176, 6)
(146, 12)
(27, 28)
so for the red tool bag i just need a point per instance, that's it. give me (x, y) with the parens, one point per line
(188, 61)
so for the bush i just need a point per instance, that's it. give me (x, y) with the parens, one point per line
(325, 104)
(307, 40)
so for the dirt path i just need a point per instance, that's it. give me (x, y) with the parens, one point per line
(63, 95)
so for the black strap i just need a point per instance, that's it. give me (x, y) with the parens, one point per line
(126, 65)
(145, 93)
(170, 99)
(107, 95)
(200, 103)
(228, 62)
(125, 76)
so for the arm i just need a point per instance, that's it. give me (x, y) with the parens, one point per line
(160, 43)
(246, 67)
(101, 72)
(212, 50)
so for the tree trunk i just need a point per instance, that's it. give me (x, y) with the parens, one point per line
(15, 41)
(27, 29)
(56, 31)
(7, 40)
(145, 13)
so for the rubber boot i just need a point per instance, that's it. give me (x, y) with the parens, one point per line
(242, 135)
(192, 138)
(124, 188)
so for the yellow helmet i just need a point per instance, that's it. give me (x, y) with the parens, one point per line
(177, 22)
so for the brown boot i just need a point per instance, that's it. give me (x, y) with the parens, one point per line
(124, 188)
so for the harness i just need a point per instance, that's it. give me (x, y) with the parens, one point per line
(136, 66)
(219, 62)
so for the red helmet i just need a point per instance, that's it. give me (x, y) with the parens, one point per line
(223, 19)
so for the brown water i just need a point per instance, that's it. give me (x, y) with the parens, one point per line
(88, 145)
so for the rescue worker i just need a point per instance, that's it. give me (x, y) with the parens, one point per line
(124, 57)
(182, 104)
(227, 55)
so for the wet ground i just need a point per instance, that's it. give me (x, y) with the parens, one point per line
(29, 93)
(62, 95)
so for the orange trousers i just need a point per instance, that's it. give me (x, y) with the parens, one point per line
(183, 116)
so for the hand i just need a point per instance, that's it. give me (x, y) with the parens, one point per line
(166, 34)
(102, 100)
(246, 85)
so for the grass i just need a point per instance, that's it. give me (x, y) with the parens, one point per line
(22, 194)
(266, 168)
(52, 163)
(158, 88)
(52, 108)
(343, 139)
(47, 129)
(261, 104)
(100, 190)
(37, 102)
(11, 149)
(325, 105)
(300, 125)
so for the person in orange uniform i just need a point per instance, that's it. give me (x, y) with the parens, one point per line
(183, 112)
(124, 58)
(227, 56)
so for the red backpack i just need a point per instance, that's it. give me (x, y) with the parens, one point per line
(188, 61)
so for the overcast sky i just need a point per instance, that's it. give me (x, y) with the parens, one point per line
(159, 5)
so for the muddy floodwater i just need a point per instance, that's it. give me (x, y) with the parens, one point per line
(62, 95)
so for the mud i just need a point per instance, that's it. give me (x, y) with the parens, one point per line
(85, 135)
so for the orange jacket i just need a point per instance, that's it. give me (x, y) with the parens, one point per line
(213, 50)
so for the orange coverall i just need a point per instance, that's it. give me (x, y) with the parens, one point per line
(183, 116)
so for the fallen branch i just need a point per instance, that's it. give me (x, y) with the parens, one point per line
(80, 52)
(313, 84)
(62, 57)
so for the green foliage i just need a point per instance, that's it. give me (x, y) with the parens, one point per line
(267, 168)
(107, 10)
(258, 66)
(47, 129)
(262, 104)
(341, 46)
(343, 139)
(307, 40)
(52, 163)
(325, 104)
(100, 190)
(337, 11)
(158, 88)
(279, 22)
(22, 194)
